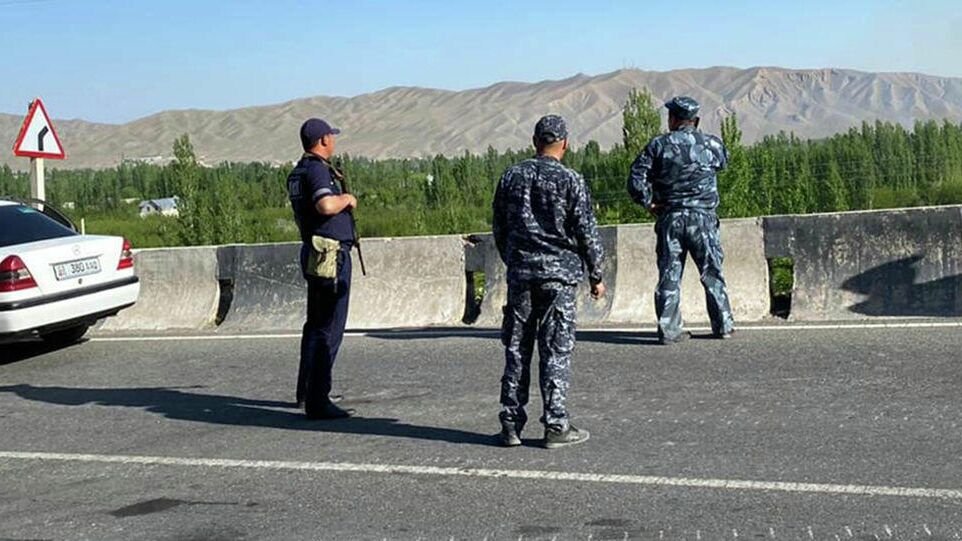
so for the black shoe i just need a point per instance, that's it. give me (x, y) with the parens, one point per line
(509, 437)
(334, 399)
(724, 335)
(683, 337)
(328, 411)
(556, 438)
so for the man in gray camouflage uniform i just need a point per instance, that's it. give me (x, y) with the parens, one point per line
(546, 233)
(675, 179)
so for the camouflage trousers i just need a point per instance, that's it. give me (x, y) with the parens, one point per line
(543, 313)
(680, 233)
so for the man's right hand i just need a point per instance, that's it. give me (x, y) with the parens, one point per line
(598, 290)
(351, 201)
(331, 205)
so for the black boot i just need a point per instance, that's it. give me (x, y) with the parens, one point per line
(557, 438)
(326, 411)
(510, 436)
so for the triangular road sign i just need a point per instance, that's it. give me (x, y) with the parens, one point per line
(37, 137)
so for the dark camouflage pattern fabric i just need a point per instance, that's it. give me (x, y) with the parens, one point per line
(550, 128)
(677, 170)
(544, 225)
(683, 107)
(676, 175)
(542, 313)
(680, 233)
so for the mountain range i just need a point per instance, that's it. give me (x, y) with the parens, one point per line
(411, 121)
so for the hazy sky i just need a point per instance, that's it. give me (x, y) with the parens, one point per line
(116, 60)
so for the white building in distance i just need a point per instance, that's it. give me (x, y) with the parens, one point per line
(164, 207)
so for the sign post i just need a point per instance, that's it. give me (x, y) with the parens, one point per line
(38, 140)
(37, 189)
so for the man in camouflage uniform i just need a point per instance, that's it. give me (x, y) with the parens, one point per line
(675, 179)
(546, 233)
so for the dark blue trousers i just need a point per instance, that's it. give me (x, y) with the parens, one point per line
(327, 307)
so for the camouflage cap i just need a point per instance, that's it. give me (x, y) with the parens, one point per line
(683, 107)
(550, 129)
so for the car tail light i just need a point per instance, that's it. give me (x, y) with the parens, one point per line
(14, 275)
(126, 256)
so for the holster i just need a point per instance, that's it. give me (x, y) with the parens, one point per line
(322, 258)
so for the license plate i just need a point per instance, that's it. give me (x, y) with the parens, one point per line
(74, 269)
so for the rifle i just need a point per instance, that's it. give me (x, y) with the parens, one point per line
(339, 175)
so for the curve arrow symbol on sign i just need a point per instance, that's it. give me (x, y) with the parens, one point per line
(40, 136)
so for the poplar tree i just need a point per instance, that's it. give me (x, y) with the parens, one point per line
(641, 121)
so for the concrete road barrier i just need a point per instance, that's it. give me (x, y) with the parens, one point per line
(631, 273)
(411, 282)
(483, 256)
(849, 265)
(745, 269)
(178, 290)
(268, 290)
(892, 263)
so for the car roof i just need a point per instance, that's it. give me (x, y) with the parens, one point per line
(5, 203)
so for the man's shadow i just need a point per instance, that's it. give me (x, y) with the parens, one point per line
(892, 289)
(178, 403)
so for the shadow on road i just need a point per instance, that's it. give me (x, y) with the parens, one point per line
(892, 291)
(21, 351)
(634, 338)
(178, 403)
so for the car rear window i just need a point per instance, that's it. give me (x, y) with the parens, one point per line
(20, 224)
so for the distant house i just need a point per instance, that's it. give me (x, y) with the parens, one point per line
(165, 207)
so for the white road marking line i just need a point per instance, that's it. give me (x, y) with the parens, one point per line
(645, 480)
(189, 337)
(494, 332)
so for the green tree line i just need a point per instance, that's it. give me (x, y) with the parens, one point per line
(878, 165)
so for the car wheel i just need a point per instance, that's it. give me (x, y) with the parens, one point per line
(66, 336)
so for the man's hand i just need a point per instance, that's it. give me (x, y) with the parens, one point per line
(598, 290)
(336, 204)
(654, 209)
(351, 201)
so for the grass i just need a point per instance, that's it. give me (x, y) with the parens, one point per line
(783, 276)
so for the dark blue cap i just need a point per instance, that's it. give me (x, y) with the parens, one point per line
(683, 107)
(550, 129)
(313, 129)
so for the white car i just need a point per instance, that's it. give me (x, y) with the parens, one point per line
(54, 282)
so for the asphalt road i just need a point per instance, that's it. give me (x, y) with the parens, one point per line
(783, 433)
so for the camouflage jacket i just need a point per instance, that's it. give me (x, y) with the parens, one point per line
(677, 170)
(544, 224)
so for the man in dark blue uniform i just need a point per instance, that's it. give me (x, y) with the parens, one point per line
(675, 178)
(547, 235)
(321, 210)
